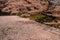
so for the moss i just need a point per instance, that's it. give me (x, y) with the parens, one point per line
(37, 16)
(19, 14)
(41, 18)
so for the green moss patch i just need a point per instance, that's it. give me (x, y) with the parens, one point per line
(41, 18)
(36, 16)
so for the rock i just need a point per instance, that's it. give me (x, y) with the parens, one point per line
(18, 6)
(17, 28)
(54, 8)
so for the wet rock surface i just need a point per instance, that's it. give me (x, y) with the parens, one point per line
(17, 28)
